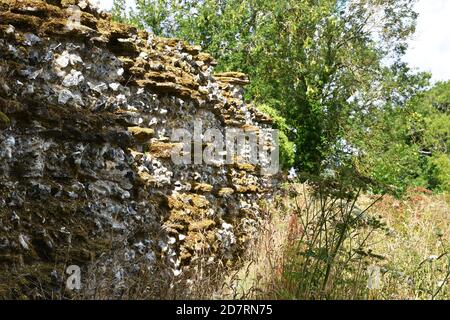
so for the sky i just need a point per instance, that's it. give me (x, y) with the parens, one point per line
(430, 47)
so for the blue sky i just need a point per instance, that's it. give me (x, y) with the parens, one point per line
(430, 47)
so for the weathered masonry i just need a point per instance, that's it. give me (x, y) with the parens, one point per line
(86, 111)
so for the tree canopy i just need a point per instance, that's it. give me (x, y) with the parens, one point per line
(330, 73)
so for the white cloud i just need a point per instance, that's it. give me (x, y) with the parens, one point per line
(430, 47)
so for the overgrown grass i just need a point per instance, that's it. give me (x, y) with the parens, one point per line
(361, 247)
(317, 246)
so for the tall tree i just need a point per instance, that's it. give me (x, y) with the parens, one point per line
(316, 63)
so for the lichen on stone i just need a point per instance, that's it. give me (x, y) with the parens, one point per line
(86, 178)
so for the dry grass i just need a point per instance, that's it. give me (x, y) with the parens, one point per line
(407, 240)
(318, 248)
(417, 250)
(264, 258)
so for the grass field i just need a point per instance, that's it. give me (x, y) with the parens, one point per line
(325, 249)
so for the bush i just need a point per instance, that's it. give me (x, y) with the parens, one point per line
(287, 148)
(439, 172)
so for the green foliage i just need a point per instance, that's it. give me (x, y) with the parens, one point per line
(318, 68)
(287, 148)
(153, 15)
(439, 172)
(432, 135)
(408, 145)
(118, 10)
(437, 133)
(309, 56)
(398, 167)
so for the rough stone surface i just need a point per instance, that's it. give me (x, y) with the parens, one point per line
(86, 178)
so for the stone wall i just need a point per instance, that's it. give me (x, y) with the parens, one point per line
(86, 112)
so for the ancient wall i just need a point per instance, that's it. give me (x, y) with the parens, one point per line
(87, 107)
